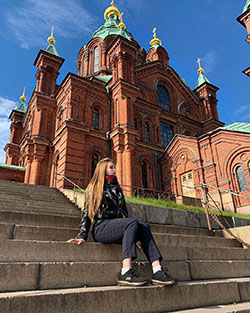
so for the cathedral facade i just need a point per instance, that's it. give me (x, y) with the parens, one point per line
(132, 106)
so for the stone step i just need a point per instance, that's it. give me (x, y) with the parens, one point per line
(230, 308)
(37, 203)
(42, 233)
(173, 229)
(42, 207)
(195, 241)
(113, 299)
(27, 190)
(51, 275)
(46, 251)
(43, 210)
(33, 276)
(31, 197)
(42, 219)
(17, 185)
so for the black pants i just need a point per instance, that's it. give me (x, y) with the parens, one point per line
(127, 231)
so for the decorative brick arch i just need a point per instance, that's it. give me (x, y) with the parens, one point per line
(182, 161)
(151, 129)
(96, 105)
(145, 92)
(150, 166)
(171, 91)
(240, 157)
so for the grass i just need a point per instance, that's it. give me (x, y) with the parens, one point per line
(175, 206)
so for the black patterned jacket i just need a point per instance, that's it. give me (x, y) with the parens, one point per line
(113, 205)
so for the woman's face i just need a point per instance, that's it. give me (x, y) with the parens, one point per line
(110, 169)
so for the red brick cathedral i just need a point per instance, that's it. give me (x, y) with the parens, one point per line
(131, 105)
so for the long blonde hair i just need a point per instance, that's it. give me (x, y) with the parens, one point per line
(94, 190)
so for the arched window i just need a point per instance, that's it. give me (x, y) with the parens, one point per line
(144, 175)
(135, 121)
(163, 98)
(96, 59)
(94, 161)
(147, 132)
(96, 119)
(166, 133)
(241, 178)
(83, 66)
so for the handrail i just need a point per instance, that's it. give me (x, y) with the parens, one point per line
(224, 190)
(78, 187)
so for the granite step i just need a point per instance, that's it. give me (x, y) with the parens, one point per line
(113, 299)
(37, 203)
(43, 219)
(12, 250)
(31, 197)
(195, 241)
(45, 233)
(173, 229)
(70, 211)
(230, 308)
(51, 275)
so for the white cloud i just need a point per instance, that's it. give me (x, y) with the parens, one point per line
(31, 22)
(208, 61)
(6, 106)
(243, 113)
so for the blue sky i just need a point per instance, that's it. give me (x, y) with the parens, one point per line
(188, 30)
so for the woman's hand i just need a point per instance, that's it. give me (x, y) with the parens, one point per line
(138, 245)
(78, 241)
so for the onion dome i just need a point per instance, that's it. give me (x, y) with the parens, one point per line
(22, 106)
(121, 25)
(112, 10)
(155, 42)
(113, 25)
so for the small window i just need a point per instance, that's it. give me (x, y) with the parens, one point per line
(96, 119)
(144, 175)
(83, 66)
(147, 132)
(135, 122)
(96, 59)
(163, 98)
(166, 133)
(241, 178)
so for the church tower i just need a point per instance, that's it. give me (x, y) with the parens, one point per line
(12, 148)
(207, 95)
(244, 19)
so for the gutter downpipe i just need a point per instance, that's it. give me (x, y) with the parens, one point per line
(157, 172)
(109, 120)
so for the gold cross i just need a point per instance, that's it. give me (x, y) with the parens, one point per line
(154, 32)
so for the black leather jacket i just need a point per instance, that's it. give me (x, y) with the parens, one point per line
(113, 205)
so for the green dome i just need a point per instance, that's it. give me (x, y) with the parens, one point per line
(247, 6)
(111, 27)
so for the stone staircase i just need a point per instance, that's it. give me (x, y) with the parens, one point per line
(41, 273)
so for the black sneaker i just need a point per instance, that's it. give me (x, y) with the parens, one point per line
(163, 278)
(131, 278)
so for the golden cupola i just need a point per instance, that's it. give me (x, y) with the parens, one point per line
(112, 10)
(155, 41)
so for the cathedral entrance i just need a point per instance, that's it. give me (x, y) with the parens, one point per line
(187, 185)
